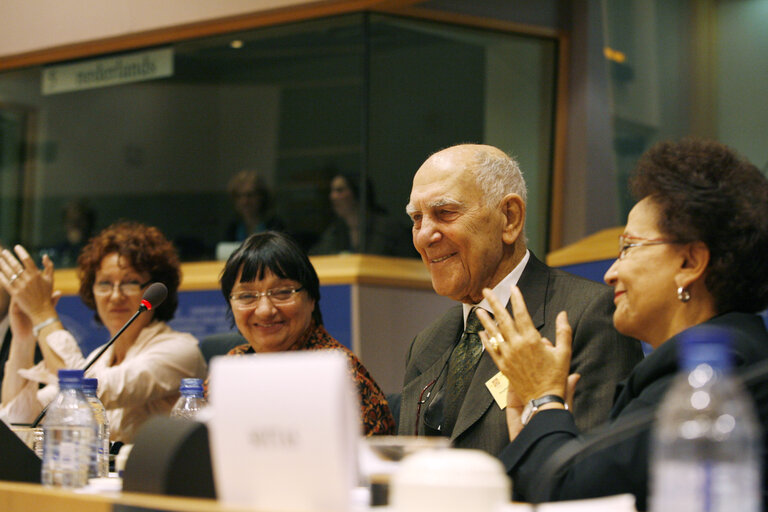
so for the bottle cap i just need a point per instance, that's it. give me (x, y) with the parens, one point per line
(70, 378)
(705, 344)
(90, 384)
(191, 385)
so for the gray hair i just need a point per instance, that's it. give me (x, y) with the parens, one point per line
(497, 174)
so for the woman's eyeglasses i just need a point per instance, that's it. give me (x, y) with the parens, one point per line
(128, 288)
(627, 242)
(279, 296)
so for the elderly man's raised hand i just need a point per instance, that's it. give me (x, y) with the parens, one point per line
(534, 366)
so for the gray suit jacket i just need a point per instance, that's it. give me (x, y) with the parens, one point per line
(601, 355)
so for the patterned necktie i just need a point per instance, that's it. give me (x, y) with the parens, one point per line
(461, 368)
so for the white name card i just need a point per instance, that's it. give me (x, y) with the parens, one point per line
(284, 429)
(121, 69)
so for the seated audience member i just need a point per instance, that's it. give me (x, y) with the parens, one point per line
(78, 220)
(468, 206)
(693, 254)
(252, 202)
(139, 375)
(273, 293)
(373, 232)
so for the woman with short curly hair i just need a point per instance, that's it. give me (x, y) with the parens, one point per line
(139, 375)
(693, 260)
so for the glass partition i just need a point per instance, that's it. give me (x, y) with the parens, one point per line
(309, 128)
(681, 67)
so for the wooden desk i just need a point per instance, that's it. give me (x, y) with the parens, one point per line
(18, 497)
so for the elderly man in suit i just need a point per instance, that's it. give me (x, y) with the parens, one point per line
(468, 205)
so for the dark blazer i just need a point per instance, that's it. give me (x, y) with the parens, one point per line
(601, 355)
(622, 466)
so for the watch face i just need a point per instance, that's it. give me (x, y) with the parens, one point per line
(527, 412)
(533, 406)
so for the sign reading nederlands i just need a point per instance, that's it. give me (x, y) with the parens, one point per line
(120, 69)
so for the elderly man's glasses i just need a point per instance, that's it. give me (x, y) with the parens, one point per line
(127, 288)
(278, 296)
(627, 242)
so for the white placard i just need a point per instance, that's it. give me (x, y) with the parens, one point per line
(120, 69)
(284, 430)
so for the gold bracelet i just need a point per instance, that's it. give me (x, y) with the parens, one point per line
(42, 325)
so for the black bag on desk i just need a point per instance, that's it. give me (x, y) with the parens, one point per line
(170, 456)
(17, 462)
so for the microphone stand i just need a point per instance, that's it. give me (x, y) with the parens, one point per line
(108, 344)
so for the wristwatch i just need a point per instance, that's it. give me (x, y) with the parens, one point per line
(533, 406)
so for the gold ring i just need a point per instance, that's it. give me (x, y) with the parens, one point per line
(494, 343)
(13, 278)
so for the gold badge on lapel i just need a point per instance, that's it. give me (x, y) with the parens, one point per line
(498, 385)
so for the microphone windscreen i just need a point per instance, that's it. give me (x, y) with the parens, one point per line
(155, 294)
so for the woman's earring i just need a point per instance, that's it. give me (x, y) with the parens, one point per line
(683, 295)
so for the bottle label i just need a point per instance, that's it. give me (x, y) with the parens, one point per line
(68, 455)
(713, 486)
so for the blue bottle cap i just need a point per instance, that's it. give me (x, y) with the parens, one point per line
(90, 384)
(191, 384)
(705, 344)
(69, 378)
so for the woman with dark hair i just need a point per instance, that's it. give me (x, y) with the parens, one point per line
(273, 295)
(355, 231)
(139, 375)
(693, 257)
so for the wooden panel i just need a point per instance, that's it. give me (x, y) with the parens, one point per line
(603, 245)
(18, 497)
(341, 269)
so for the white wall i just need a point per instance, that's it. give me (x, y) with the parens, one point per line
(29, 25)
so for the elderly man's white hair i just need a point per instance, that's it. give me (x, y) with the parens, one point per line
(497, 174)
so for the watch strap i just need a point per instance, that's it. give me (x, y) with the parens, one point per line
(533, 406)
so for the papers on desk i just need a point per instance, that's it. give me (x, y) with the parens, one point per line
(284, 429)
(619, 503)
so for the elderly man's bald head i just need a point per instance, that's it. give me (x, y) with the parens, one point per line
(495, 172)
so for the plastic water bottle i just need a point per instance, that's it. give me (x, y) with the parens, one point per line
(68, 434)
(706, 442)
(99, 466)
(191, 400)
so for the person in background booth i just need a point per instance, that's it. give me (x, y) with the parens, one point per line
(468, 206)
(252, 202)
(139, 375)
(273, 294)
(694, 254)
(78, 220)
(355, 231)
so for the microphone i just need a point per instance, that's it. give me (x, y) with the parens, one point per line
(153, 297)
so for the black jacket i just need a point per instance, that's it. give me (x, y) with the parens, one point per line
(622, 466)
